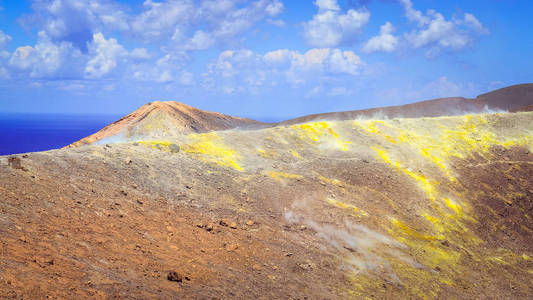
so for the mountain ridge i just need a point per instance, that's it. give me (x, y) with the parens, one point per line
(165, 118)
(522, 95)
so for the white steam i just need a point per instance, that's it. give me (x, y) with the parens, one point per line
(364, 249)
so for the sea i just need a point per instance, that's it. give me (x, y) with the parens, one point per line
(21, 133)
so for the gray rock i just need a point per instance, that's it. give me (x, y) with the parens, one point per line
(174, 148)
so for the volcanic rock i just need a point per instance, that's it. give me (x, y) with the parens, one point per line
(174, 276)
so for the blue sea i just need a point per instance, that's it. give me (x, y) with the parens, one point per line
(20, 133)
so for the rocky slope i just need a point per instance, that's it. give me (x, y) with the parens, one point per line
(163, 119)
(426, 208)
(512, 98)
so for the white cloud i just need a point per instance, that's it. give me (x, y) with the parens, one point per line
(167, 68)
(105, 55)
(385, 41)
(469, 20)
(4, 40)
(412, 14)
(47, 59)
(195, 25)
(327, 5)
(75, 21)
(323, 61)
(274, 8)
(200, 41)
(62, 60)
(140, 54)
(436, 33)
(161, 19)
(331, 28)
(276, 22)
(245, 70)
(198, 25)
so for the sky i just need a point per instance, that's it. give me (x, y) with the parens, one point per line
(264, 59)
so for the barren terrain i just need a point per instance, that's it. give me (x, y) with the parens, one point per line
(426, 208)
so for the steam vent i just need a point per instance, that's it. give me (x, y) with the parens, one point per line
(432, 200)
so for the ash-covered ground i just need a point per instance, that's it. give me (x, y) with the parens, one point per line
(430, 208)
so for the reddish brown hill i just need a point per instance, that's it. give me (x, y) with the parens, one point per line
(161, 119)
(511, 98)
(524, 108)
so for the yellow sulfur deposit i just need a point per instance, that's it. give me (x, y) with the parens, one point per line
(320, 133)
(210, 147)
(281, 175)
(353, 209)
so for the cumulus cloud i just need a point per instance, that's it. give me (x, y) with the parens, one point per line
(168, 68)
(331, 27)
(179, 21)
(161, 19)
(200, 41)
(105, 55)
(385, 41)
(220, 21)
(245, 70)
(140, 54)
(47, 59)
(75, 21)
(436, 32)
(62, 60)
(79, 39)
(323, 60)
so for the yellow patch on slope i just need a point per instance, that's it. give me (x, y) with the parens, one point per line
(320, 132)
(210, 147)
(281, 175)
(355, 210)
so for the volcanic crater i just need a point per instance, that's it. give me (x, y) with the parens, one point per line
(175, 202)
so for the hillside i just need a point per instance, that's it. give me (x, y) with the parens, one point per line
(164, 119)
(511, 98)
(160, 120)
(422, 208)
(524, 108)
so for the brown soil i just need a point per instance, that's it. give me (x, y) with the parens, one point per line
(330, 210)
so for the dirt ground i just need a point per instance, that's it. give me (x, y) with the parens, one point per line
(435, 208)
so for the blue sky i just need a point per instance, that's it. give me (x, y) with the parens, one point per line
(264, 59)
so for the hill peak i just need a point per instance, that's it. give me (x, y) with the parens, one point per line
(165, 118)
